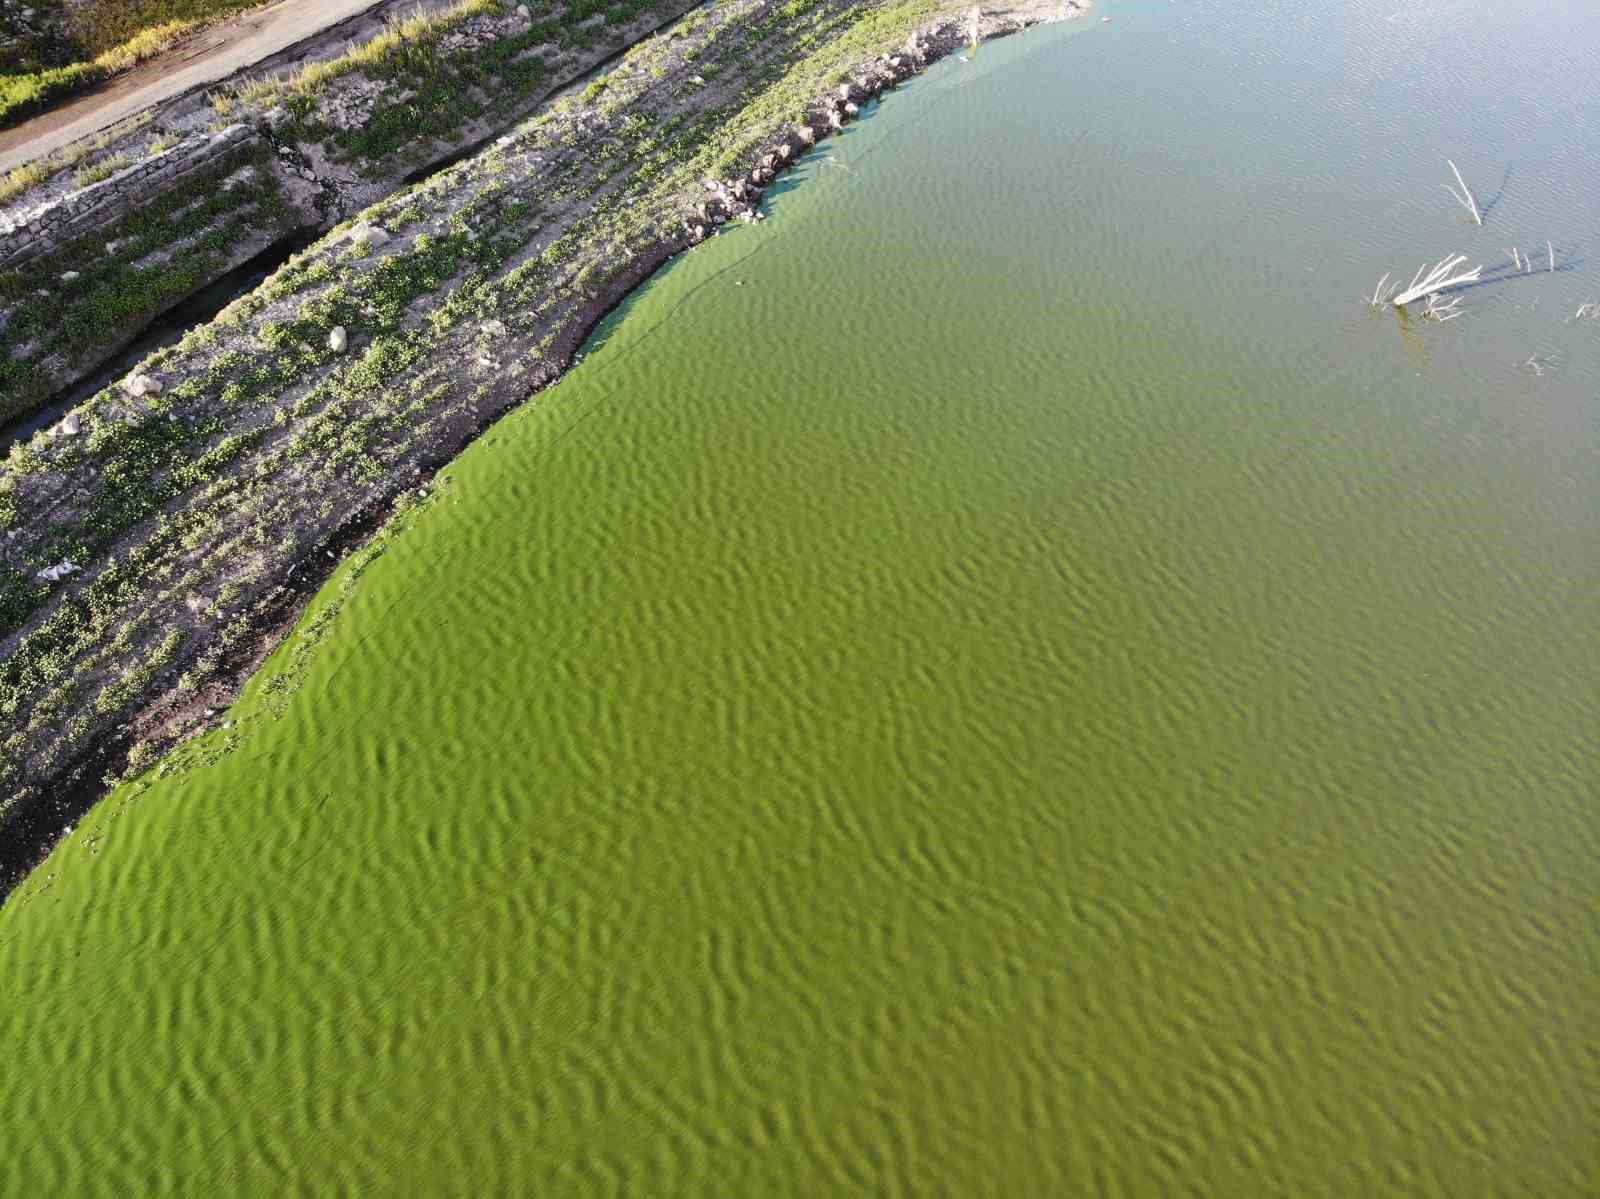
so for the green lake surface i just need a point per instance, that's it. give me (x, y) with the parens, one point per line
(1009, 678)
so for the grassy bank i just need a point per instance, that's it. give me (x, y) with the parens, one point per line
(116, 279)
(105, 38)
(435, 75)
(416, 94)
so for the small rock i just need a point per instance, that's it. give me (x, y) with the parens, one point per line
(851, 110)
(807, 134)
(71, 425)
(69, 276)
(54, 574)
(493, 328)
(369, 235)
(338, 339)
(138, 385)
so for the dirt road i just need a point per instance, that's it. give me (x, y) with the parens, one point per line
(213, 54)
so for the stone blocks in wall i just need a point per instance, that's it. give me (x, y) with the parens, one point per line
(26, 236)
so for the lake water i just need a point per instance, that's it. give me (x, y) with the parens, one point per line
(1008, 678)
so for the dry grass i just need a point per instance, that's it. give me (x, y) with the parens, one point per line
(401, 39)
(112, 36)
(16, 183)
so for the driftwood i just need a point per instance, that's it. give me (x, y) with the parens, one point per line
(1464, 196)
(1441, 310)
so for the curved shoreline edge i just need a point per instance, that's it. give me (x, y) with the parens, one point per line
(275, 457)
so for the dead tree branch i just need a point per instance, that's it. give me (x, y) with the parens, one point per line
(1464, 196)
(1444, 274)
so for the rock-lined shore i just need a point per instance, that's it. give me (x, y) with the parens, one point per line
(199, 515)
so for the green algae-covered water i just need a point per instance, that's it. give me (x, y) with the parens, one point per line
(1007, 679)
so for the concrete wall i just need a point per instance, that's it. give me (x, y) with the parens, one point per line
(31, 235)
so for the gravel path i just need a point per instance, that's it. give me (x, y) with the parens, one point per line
(213, 54)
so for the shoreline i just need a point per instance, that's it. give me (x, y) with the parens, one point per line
(229, 643)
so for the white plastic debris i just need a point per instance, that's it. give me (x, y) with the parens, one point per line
(54, 574)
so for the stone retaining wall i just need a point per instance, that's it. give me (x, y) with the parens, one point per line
(29, 235)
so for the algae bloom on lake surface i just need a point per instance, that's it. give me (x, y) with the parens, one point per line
(992, 681)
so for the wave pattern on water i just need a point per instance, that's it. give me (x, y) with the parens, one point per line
(1062, 707)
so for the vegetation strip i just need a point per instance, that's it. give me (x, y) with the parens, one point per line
(141, 548)
(55, 49)
(336, 135)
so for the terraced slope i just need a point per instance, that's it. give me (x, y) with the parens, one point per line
(92, 249)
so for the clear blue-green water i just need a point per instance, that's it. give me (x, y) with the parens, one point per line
(1007, 678)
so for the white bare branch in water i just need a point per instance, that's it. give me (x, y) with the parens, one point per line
(1552, 251)
(1464, 196)
(1380, 297)
(973, 19)
(1442, 310)
(1588, 310)
(1516, 258)
(1439, 278)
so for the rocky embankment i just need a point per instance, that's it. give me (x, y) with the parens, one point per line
(93, 252)
(158, 540)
